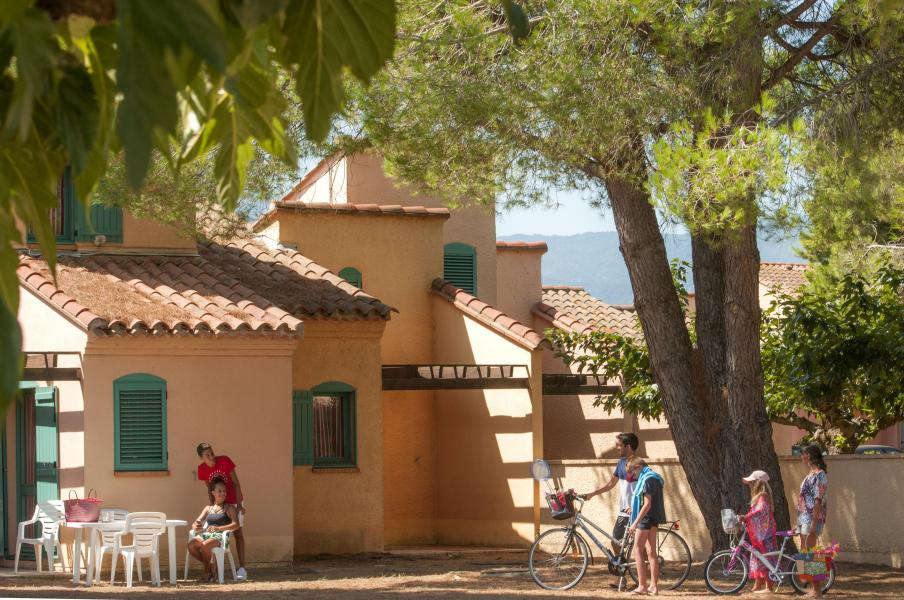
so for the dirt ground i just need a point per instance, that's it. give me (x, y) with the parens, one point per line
(487, 575)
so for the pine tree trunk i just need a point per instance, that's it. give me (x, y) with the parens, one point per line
(744, 374)
(666, 335)
(709, 285)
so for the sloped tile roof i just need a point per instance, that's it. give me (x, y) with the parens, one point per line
(560, 320)
(485, 313)
(788, 277)
(503, 245)
(348, 209)
(563, 302)
(239, 287)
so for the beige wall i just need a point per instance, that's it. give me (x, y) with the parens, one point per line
(484, 439)
(865, 514)
(471, 224)
(234, 393)
(341, 510)
(399, 257)
(518, 282)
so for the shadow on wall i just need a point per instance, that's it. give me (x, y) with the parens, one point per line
(575, 429)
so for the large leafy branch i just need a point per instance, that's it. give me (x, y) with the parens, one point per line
(82, 81)
(831, 358)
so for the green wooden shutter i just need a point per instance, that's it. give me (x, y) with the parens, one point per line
(140, 423)
(302, 427)
(351, 275)
(460, 266)
(46, 442)
(105, 220)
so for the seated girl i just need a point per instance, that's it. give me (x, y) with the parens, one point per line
(212, 524)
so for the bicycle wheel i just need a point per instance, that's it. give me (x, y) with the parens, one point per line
(558, 559)
(674, 560)
(724, 574)
(801, 586)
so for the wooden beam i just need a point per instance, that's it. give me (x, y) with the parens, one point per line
(52, 374)
(572, 385)
(454, 377)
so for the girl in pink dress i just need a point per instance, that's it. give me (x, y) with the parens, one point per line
(760, 524)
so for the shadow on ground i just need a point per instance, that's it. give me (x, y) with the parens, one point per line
(488, 576)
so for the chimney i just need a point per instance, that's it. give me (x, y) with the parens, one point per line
(518, 283)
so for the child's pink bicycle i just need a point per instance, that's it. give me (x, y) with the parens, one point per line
(727, 571)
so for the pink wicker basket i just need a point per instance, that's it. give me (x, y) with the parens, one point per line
(83, 510)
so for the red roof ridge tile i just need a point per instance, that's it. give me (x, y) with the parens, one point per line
(489, 315)
(562, 287)
(561, 320)
(363, 209)
(506, 245)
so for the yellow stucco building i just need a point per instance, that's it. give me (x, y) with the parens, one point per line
(373, 362)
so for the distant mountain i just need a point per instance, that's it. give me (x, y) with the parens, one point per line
(594, 262)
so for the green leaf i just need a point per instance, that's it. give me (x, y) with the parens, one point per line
(11, 351)
(76, 111)
(35, 47)
(323, 38)
(152, 40)
(517, 19)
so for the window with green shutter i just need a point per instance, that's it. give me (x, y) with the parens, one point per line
(70, 222)
(352, 275)
(139, 423)
(324, 426)
(460, 266)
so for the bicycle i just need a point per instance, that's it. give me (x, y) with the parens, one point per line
(559, 558)
(727, 571)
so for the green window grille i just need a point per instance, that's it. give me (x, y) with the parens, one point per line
(460, 266)
(70, 222)
(352, 275)
(139, 423)
(324, 426)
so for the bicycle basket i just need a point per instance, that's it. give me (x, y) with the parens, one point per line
(561, 504)
(730, 521)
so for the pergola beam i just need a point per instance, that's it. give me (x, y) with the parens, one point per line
(455, 377)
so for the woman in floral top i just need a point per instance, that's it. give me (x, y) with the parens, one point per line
(812, 505)
(760, 524)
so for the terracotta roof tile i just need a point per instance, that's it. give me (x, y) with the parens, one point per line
(233, 287)
(503, 245)
(363, 209)
(788, 277)
(563, 302)
(490, 316)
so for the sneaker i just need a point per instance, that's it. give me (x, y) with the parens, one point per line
(241, 574)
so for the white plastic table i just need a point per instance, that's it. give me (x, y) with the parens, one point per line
(171, 525)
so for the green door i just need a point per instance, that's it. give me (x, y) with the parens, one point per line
(36, 452)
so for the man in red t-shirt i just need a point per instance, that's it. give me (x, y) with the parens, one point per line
(213, 466)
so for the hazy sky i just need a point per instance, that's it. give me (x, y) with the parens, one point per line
(574, 215)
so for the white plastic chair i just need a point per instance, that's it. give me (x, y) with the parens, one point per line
(50, 515)
(145, 529)
(219, 553)
(106, 542)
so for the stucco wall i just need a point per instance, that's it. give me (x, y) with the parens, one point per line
(473, 224)
(45, 330)
(341, 510)
(484, 440)
(233, 393)
(865, 515)
(398, 258)
(518, 282)
(331, 187)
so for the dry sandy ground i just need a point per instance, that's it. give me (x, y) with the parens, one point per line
(482, 576)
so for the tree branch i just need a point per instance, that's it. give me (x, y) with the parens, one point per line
(801, 52)
(795, 421)
(785, 19)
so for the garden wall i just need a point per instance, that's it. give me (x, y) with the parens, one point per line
(866, 514)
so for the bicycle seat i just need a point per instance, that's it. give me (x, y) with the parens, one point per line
(786, 534)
